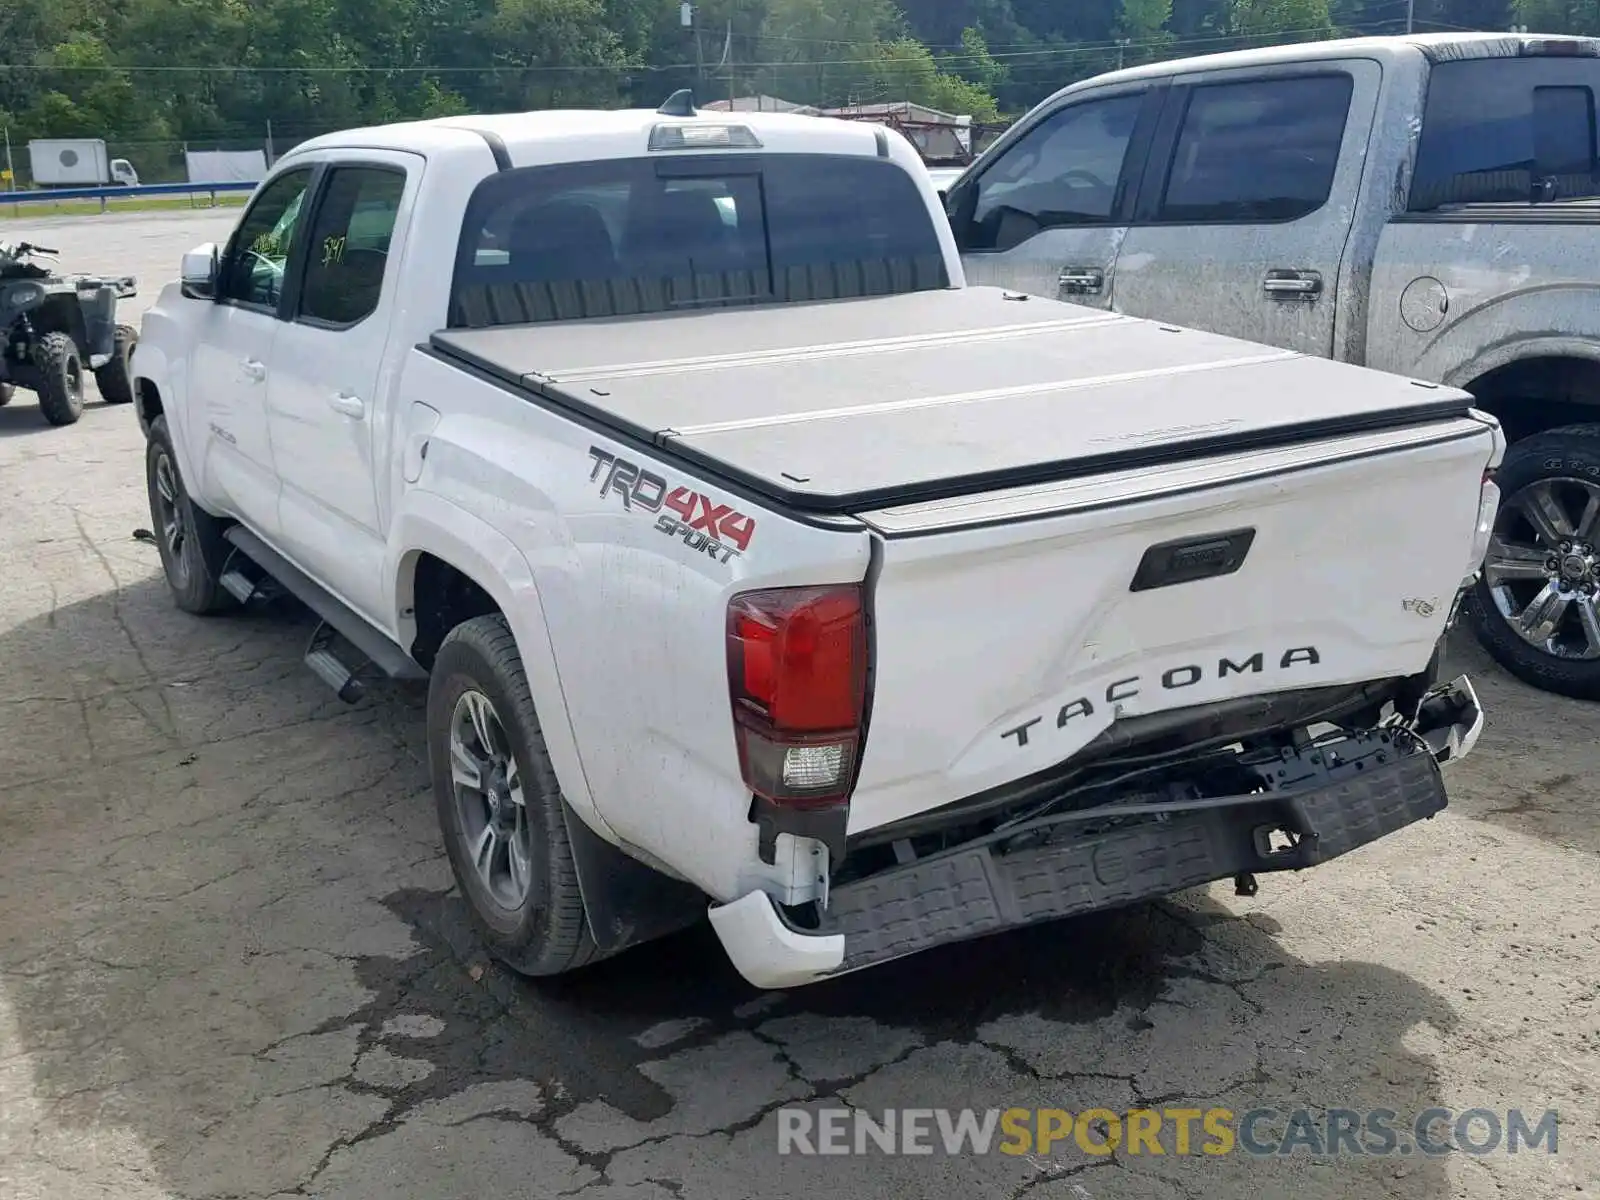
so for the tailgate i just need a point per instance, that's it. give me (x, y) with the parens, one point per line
(1010, 628)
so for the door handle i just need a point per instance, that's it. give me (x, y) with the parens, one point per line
(254, 370)
(1292, 285)
(350, 406)
(1080, 281)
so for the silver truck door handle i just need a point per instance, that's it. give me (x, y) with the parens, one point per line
(254, 370)
(350, 406)
(1080, 281)
(1292, 285)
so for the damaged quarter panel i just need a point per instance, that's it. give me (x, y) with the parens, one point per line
(632, 563)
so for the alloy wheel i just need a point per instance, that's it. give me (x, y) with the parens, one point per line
(1543, 566)
(489, 801)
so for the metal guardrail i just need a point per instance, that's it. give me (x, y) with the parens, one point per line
(103, 194)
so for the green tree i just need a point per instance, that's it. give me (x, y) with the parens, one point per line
(1143, 25)
(906, 70)
(1272, 21)
(974, 63)
(1559, 16)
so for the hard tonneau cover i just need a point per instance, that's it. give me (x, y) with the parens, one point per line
(847, 405)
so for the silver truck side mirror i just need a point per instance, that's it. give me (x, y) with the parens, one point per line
(198, 275)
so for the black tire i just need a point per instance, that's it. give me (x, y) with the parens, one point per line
(8, 392)
(194, 564)
(548, 932)
(115, 379)
(60, 384)
(1563, 464)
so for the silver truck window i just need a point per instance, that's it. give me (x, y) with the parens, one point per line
(1507, 131)
(655, 234)
(1062, 172)
(1256, 151)
(349, 246)
(258, 254)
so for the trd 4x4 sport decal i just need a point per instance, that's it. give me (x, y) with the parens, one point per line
(695, 518)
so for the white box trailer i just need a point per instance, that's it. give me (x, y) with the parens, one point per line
(225, 166)
(77, 162)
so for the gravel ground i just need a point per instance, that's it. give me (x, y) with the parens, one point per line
(231, 964)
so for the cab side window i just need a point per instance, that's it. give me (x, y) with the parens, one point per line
(349, 244)
(1062, 172)
(1262, 150)
(1508, 131)
(258, 254)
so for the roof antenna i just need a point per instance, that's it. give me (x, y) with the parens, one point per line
(679, 104)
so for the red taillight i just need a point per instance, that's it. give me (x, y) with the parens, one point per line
(797, 673)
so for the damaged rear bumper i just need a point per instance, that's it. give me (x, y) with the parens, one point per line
(1325, 802)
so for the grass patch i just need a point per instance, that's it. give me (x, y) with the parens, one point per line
(198, 202)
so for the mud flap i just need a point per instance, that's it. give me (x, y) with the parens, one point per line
(625, 901)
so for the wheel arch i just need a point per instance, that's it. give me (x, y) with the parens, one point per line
(1534, 385)
(449, 562)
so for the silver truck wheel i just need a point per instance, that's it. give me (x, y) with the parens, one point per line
(190, 542)
(489, 800)
(499, 805)
(1536, 607)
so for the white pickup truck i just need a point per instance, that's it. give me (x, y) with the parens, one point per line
(1427, 205)
(759, 567)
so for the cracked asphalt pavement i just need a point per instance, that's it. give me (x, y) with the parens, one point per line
(231, 963)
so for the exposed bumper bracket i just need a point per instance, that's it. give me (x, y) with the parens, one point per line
(1450, 720)
(1321, 803)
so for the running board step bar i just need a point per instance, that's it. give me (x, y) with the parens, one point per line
(245, 581)
(326, 665)
(337, 616)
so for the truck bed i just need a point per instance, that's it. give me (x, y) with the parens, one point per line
(849, 405)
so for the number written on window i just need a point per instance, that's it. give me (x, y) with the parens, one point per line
(350, 244)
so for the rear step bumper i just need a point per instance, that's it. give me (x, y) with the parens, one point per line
(979, 889)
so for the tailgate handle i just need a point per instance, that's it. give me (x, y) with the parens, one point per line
(1189, 559)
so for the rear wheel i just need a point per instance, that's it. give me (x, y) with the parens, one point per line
(60, 384)
(500, 808)
(191, 542)
(115, 379)
(1536, 606)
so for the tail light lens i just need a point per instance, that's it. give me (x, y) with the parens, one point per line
(1483, 532)
(797, 675)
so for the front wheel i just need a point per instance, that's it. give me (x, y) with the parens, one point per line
(1536, 605)
(500, 808)
(191, 542)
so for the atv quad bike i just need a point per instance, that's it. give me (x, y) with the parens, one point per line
(53, 325)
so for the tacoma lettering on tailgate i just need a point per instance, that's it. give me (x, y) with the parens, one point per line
(693, 517)
(1171, 680)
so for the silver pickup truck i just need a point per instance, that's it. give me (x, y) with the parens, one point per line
(1426, 205)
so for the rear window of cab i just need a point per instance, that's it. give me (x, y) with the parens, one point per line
(659, 233)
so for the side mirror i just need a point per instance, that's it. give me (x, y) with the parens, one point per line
(198, 275)
(960, 203)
